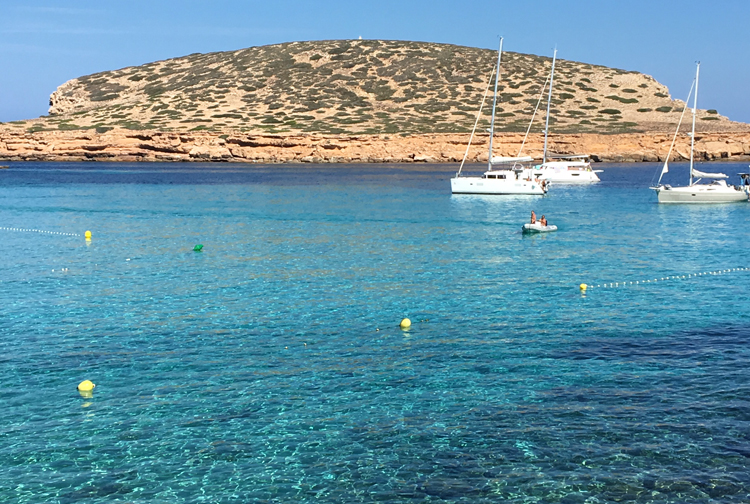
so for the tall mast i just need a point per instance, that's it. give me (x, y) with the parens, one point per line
(549, 102)
(494, 102)
(695, 106)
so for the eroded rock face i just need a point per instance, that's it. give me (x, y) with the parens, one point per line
(126, 145)
(69, 98)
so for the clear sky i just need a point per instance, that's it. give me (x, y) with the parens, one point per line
(45, 43)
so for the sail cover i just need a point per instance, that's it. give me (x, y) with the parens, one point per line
(568, 156)
(503, 159)
(701, 174)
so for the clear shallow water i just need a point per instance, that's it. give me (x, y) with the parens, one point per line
(270, 367)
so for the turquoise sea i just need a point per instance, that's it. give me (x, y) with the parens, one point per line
(270, 366)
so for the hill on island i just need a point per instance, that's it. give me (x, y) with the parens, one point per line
(362, 86)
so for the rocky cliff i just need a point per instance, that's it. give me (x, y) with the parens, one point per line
(125, 145)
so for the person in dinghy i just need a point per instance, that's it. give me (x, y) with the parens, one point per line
(538, 225)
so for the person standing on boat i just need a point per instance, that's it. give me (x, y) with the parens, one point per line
(533, 217)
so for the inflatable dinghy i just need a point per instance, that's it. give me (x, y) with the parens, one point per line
(538, 228)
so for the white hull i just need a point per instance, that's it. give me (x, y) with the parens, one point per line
(538, 228)
(560, 172)
(701, 193)
(481, 185)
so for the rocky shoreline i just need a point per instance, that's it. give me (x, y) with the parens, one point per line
(232, 146)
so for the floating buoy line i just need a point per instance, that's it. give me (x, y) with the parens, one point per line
(24, 230)
(584, 287)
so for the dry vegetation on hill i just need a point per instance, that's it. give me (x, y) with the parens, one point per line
(360, 86)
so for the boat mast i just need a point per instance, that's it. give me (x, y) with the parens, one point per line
(695, 106)
(494, 102)
(549, 101)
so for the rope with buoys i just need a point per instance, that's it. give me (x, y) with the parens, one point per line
(584, 287)
(42, 231)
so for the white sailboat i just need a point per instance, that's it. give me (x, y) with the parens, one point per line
(567, 169)
(504, 175)
(716, 192)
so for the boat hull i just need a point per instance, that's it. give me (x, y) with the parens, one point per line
(701, 194)
(481, 185)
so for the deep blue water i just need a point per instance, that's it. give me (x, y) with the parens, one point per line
(270, 366)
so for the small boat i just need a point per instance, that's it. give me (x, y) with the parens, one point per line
(717, 191)
(538, 228)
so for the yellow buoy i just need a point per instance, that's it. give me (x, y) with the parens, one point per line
(86, 386)
(583, 287)
(87, 234)
(405, 323)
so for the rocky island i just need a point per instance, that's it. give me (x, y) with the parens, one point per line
(358, 101)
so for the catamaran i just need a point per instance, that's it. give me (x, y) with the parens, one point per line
(504, 175)
(717, 191)
(562, 169)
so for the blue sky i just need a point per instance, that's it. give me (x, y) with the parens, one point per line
(45, 43)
